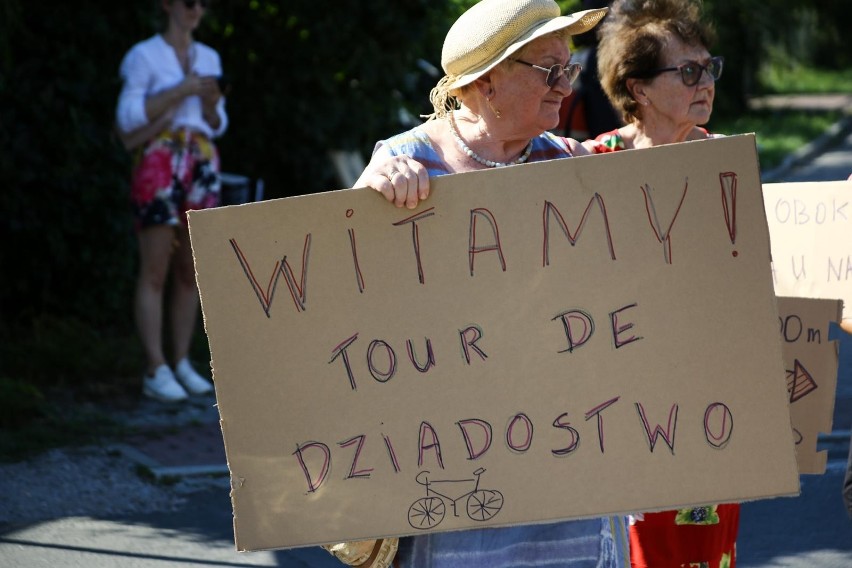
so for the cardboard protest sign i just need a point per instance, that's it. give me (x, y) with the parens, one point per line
(811, 231)
(556, 340)
(810, 362)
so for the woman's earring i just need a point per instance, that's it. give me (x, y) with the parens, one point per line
(496, 111)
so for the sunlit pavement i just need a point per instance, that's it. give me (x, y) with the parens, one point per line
(809, 531)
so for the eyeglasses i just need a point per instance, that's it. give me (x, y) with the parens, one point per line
(571, 71)
(690, 72)
(190, 4)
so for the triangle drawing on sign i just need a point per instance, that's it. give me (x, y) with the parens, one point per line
(800, 383)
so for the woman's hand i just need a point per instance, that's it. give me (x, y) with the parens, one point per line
(579, 149)
(210, 93)
(590, 145)
(204, 86)
(401, 179)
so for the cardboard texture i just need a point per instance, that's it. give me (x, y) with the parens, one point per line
(811, 229)
(556, 340)
(810, 363)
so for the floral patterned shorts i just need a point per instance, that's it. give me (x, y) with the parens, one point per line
(175, 172)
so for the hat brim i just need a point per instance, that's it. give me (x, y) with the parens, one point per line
(576, 23)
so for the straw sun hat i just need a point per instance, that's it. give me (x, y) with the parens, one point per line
(492, 30)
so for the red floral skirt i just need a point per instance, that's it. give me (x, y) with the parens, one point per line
(175, 172)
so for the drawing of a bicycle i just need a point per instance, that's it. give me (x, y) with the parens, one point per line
(427, 512)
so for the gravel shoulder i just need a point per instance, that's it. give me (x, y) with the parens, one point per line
(102, 481)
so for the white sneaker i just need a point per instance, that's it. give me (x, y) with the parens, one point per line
(163, 386)
(191, 380)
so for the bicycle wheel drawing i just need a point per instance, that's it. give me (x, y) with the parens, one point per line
(426, 512)
(484, 504)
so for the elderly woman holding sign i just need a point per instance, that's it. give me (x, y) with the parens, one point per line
(508, 68)
(655, 66)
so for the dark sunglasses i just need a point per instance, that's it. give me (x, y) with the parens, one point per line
(690, 72)
(571, 71)
(190, 4)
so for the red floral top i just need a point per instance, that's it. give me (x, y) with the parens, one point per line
(697, 537)
(612, 141)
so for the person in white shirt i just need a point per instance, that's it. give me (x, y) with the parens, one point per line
(170, 109)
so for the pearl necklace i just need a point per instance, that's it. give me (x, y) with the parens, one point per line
(490, 163)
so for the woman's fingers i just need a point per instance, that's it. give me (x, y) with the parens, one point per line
(422, 180)
(402, 180)
(382, 184)
(411, 182)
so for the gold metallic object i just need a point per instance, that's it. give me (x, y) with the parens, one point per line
(352, 553)
(365, 553)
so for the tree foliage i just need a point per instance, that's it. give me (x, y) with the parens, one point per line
(306, 83)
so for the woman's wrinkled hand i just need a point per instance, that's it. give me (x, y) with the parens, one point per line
(401, 179)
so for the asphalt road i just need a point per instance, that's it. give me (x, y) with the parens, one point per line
(812, 530)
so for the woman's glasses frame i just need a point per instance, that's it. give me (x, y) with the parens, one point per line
(190, 4)
(692, 71)
(554, 72)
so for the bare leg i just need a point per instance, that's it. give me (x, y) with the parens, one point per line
(184, 299)
(155, 251)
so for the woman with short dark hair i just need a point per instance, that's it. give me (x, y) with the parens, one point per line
(656, 68)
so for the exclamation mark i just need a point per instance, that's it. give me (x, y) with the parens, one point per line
(728, 182)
